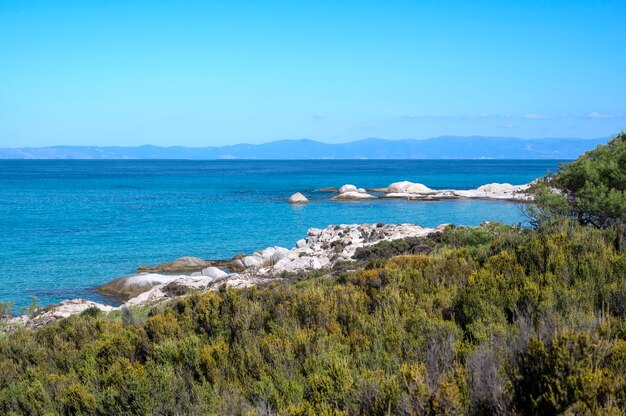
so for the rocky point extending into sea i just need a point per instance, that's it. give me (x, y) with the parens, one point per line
(321, 249)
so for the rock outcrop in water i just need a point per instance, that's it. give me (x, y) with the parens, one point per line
(419, 192)
(408, 188)
(183, 264)
(298, 198)
(352, 193)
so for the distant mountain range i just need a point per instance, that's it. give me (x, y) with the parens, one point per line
(445, 147)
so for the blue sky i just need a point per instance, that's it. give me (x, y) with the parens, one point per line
(201, 73)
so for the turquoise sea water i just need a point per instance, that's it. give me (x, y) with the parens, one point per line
(68, 226)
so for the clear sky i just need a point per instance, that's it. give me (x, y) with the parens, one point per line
(202, 73)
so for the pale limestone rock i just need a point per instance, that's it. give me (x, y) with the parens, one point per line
(406, 187)
(252, 261)
(298, 198)
(68, 308)
(352, 196)
(213, 272)
(347, 188)
(130, 286)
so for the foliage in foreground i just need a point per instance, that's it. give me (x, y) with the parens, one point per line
(494, 320)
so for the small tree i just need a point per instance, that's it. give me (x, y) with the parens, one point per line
(590, 190)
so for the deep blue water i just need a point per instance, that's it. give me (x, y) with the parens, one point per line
(68, 226)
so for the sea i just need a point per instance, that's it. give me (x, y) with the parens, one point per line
(67, 226)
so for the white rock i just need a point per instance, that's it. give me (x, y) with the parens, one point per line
(498, 188)
(464, 194)
(347, 188)
(71, 307)
(302, 263)
(279, 254)
(213, 272)
(153, 295)
(300, 243)
(400, 195)
(134, 285)
(266, 254)
(418, 188)
(252, 261)
(361, 190)
(298, 198)
(352, 195)
(406, 187)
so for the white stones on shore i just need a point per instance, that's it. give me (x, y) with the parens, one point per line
(62, 310)
(322, 248)
(298, 198)
(500, 191)
(214, 273)
(267, 257)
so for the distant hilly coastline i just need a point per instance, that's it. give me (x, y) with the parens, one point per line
(445, 147)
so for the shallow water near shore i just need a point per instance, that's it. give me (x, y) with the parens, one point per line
(68, 226)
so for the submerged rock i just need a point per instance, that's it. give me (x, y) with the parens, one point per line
(183, 264)
(298, 198)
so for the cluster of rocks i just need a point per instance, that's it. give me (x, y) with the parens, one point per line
(419, 192)
(350, 193)
(321, 248)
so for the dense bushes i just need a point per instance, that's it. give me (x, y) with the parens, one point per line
(590, 190)
(495, 320)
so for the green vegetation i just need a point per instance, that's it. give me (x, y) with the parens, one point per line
(481, 321)
(591, 190)
(493, 320)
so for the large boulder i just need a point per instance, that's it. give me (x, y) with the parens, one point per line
(298, 198)
(131, 286)
(181, 265)
(252, 262)
(347, 188)
(406, 187)
(214, 273)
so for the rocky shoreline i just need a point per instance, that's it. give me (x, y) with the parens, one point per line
(321, 249)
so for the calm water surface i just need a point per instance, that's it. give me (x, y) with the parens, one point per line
(68, 226)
